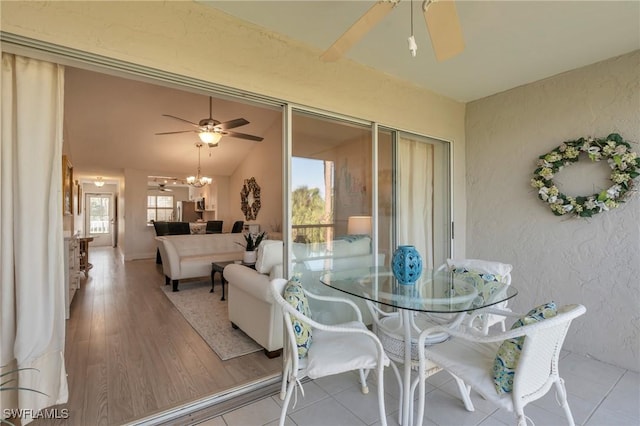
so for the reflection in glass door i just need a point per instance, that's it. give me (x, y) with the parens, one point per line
(98, 218)
(331, 177)
(335, 183)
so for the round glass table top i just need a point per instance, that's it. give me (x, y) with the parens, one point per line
(439, 291)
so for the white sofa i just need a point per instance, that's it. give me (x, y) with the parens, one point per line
(251, 306)
(190, 256)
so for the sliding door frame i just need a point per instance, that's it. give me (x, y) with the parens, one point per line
(41, 50)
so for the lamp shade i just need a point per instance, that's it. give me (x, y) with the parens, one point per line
(211, 138)
(359, 225)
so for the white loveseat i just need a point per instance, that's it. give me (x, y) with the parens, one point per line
(190, 256)
(251, 306)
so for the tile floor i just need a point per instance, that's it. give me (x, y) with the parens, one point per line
(599, 395)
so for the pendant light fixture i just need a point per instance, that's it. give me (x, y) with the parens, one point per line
(198, 180)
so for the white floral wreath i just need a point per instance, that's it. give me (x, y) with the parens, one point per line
(623, 162)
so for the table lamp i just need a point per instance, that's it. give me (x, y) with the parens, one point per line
(359, 225)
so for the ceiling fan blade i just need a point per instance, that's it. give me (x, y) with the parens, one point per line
(181, 119)
(162, 177)
(244, 136)
(444, 28)
(361, 27)
(180, 131)
(232, 124)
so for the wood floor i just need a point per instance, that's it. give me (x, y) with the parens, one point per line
(130, 353)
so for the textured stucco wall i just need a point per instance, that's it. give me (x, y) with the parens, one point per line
(594, 261)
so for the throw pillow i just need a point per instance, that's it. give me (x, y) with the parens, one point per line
(294, 295)
(504, 366)
(484, 283)
(269, 255)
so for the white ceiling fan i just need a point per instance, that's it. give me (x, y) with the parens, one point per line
(161, 187)
(210, 131)
(159, 183)
(440, 16)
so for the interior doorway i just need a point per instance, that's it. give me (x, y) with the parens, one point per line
(99, 218)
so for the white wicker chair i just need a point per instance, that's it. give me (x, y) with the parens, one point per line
(469, 358)
(503, 270)
(334, 349)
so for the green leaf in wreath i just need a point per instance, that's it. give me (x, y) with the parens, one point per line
(615, 137)
(602, 196)
(618, 160)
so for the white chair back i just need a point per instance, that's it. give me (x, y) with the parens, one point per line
(501, 270)
(538, 363)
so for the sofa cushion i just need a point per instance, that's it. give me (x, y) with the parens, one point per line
(294, 295)
(339, 248)
(269, 255)
(506, 361)
(348, 248)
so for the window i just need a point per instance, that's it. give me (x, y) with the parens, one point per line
(312, 200)
(159, 208)
(99, 213)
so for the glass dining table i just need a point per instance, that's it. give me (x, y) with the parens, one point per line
(445, 296)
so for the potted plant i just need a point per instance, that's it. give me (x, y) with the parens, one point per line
(252, 243)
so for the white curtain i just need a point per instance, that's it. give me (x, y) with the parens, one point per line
(32, 303)
(415, 193)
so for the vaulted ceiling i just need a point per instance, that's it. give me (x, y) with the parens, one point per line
(111, 124)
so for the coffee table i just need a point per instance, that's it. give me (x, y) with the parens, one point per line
(219, 268)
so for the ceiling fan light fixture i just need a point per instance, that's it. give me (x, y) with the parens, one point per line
(210, 138)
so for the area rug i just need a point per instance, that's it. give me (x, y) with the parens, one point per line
(207, 314)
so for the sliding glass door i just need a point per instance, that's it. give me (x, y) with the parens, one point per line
(336, 180)
(413, 195)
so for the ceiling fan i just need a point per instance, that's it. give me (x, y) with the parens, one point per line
(211, 131)
(162, 181)
(161, 187)
(442, 22)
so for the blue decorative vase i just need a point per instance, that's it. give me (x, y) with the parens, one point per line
(406, 264)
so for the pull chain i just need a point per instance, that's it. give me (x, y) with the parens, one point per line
(413, 47)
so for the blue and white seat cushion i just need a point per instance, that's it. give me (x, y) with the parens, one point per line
(506, 361)
(295, 296)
